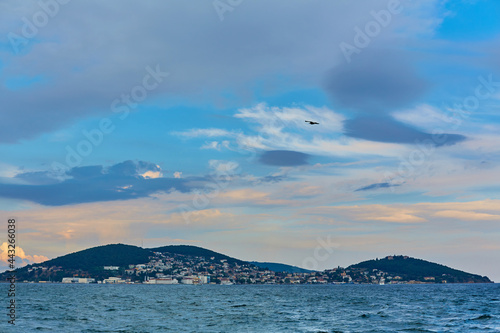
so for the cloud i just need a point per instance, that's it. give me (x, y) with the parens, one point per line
(284, 128)
(483, 210)
(224, 168)
(121, 181)
(283, 158)
(21, 258)
(386, 129)
(271, 179)
(94, 61)
(89, 68)
(464, 170)
(467, 215)
(86, 172)
(205, 132)
(249, 197)
(36, 178)
(62, 229)
(216, 145)
(301, 190)
(383, 213)
(425, 117)
(131, 168)
(273, 120)
(376, 186)
(151, 174)
(377, 82)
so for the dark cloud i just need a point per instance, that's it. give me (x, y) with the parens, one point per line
(283, 158)
(373, 85)
(272, 179)
(121, 181)
(86, 172)
(378, 81)
(376, 186)
(386, 129)
(89, 55)
(37, 178)
(126, 169)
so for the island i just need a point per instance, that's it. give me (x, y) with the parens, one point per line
(185, 264)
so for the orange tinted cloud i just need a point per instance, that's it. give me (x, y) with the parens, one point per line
(22, 259)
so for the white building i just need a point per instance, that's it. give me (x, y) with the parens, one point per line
(226, 282)
(113, 280)
(188, 280)
(204, 279)
(77, 280)
(162, 281)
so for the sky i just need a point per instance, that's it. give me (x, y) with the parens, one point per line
(173, 122)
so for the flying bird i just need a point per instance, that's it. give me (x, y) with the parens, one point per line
(312, 122)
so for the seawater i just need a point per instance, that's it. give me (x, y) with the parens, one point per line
(254, 308)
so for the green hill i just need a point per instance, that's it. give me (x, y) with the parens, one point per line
(123, 255)
(106, 255)
(276, 267)
(189, 250)
(417, 269)
(91, 262)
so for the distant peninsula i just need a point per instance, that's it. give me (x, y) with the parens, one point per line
(185, 264)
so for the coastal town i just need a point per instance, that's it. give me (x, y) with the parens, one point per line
(168, 268)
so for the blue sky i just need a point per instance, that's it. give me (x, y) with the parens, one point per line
(178, 124)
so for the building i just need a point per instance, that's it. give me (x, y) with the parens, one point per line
(165, 281)
(113, 280)
(77, 280)
(111, 268)
(225, 281)
(204, 279)
(188, 280)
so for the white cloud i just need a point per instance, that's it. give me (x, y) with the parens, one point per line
(151, 174)
(285, 128)
(273, 120)
(426, 117)
(223, 167)
(206, 132)
(216, 145)
(21, 258)
(7, 170)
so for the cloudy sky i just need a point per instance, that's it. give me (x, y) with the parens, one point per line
(183, 122)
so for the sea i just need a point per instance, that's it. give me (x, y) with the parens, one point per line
(71, 308)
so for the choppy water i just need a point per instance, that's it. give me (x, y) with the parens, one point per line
(212, 308)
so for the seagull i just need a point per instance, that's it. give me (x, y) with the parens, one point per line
(312, 122)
